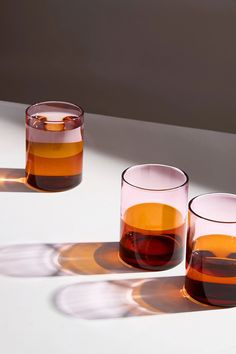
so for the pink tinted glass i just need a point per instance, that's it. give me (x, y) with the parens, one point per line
(54, 141)
(153, 216)
(211, 249)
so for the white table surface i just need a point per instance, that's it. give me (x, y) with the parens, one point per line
(45, 314)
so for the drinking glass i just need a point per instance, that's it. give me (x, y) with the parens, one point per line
(54, 145)
(153, 216)
(211, 249)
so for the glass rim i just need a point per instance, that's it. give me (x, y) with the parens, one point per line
(38, 104)
(156, 189)
(203, 217)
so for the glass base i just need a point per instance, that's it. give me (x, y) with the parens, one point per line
(54, 183)
(210, 294)
(154, 263)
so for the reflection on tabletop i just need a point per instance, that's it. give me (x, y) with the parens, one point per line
(126, 298)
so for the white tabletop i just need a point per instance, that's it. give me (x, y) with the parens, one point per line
(45, 310)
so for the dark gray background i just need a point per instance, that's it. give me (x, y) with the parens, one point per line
(170, 61)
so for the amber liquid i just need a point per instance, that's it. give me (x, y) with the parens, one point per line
(211, 270)
(53, 166)
(152, 236)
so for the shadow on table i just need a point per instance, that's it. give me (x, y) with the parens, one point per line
(13, 180)
(205, 155)
(97, 299)
(126, 298)
(40, 260)
(13, 112)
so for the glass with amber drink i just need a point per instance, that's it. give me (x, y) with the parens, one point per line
(54, 145)
(153, 216)
(211, 249)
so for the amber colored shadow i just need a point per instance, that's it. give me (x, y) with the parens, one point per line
(97, 299)
(126, 298)
(40, 260)
(93, 258)
(13, 180)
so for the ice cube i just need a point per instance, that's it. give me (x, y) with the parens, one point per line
(38, 122)
(71, 122)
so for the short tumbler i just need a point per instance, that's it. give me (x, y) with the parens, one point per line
(211, 249)
(54, 145)
(153, 216)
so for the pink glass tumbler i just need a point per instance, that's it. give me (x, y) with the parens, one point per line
(54, 145)
(153, 216)
(211, 249)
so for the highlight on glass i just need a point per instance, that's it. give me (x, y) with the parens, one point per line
(153, 216)
(211, 249)
(54, 145)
